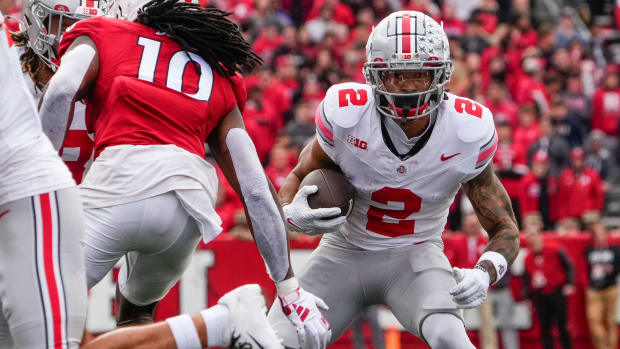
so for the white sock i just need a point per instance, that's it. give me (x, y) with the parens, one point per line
(184, 332)
(216, 318)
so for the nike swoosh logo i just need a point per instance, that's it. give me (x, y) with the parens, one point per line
(445, 158)
(255, 341)
(3, 213)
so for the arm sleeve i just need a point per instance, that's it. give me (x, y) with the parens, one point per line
(569, 269)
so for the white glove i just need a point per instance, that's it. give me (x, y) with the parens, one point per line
(301, 308)
(471, 287)
(300, 217)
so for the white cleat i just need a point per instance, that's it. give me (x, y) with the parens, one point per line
(248, 327)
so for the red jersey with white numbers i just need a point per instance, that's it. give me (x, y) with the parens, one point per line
(148, 90)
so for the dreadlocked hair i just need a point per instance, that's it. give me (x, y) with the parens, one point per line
(30, 62)
(203, 31)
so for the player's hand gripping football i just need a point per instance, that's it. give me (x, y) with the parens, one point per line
(302, 309)
(300, 217)
(471, 287)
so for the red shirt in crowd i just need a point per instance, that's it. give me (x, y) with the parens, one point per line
(547, 271)
(606, 111)
(579, 193)
(508, 158)
(342, 13)
(525, 137)
(530, 194)
(464, 251)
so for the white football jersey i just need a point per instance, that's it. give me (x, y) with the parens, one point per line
(29, 165)
(400, 202)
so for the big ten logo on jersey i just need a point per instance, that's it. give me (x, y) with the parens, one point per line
(357, 142)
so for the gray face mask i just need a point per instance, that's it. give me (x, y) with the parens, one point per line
(407, 106)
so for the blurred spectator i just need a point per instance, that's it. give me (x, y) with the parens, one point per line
(548, 280)
(341, 12)
(566, 124)
(603, 268)
(464, 8)
(500, 104)
(580, 188)
(509, 162)
(504, 305)
(600, 157)
(325, 22)
(426, 6)
(454, 27)
(268, 40)
(467, 257)
(553, 145)
(262, 122)
(539, 191)
(475, 39)
(279, 166)
(528, 131)
(301, 129)
(566, 29)
(567, 227)
(530, 87)
(606, 105)
(576, 101)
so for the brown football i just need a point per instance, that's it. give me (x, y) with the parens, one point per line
(335, 190)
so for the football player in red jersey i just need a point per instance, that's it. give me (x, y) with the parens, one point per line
(158, 88)
(45, 21)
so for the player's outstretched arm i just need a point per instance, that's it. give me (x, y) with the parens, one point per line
(71, 81)
(235, 153)
(492, 205)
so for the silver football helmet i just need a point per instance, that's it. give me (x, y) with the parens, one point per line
(39, 16)
(408, 41)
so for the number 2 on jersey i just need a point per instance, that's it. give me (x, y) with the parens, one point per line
(176, 69)
(466, 106)
(359, 97)
(403, 226)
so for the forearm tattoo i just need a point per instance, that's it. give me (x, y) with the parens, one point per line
(494, 210)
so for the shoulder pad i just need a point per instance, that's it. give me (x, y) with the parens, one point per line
(345, 104)
(473, 121)
(89, 26)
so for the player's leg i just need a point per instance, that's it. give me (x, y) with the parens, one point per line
(166, 246)
(42, 271)
(237, 321)
(331, 273)
(5, 333)
(445, 331)
(420, 279)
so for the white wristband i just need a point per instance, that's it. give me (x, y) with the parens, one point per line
(287, 286)
(499, 263)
